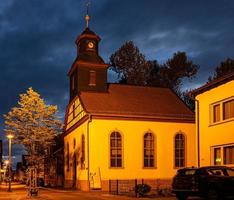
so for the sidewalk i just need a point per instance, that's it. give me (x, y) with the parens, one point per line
(97, 194)
(19, 192)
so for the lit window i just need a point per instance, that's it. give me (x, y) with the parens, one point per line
(179, 150)
(82, 152)
(217, 156)
(68, 156)
(228, 109)
(148, 150)
(216, 113)
(228, 155)
(115, 150)
(92, 78)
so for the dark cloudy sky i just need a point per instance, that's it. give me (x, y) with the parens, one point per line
(37, 39)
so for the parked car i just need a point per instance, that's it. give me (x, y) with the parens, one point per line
(213, 182)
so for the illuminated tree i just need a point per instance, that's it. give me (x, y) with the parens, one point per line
(33, 123)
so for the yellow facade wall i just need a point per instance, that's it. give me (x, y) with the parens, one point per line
(132, 133)
(75, 150)
(132, 136)
(211, 135)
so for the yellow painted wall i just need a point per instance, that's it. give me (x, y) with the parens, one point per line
(220, 133)
(132, 133)
(81, 173)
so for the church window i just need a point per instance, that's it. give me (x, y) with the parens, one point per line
(115, 150)
(149, 150)
(82, 151)
(92, 78)
(179, 150)
(68, 156)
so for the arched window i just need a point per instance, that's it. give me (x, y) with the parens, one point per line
(68, 156)
(115, 150)
(179, 150)
(82, 151)
(149, 159)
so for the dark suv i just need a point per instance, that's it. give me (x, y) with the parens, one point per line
(214, 182)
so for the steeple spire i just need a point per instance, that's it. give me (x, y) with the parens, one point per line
(87, 17)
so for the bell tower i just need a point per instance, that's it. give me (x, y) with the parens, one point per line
(88, 71)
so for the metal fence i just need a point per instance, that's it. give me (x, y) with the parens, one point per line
(160, 187)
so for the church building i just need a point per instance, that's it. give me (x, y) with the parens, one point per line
(116, 131)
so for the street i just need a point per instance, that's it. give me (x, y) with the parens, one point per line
(19, 193)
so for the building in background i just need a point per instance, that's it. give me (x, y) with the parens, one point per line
(215, 121)
(124, 132)
(1, 161)
(20, 173)
(54, 164)
(1, 154)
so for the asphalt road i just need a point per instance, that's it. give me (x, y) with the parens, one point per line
(19, 193)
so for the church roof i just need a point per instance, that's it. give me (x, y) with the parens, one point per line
(136, 101)
(88, 31)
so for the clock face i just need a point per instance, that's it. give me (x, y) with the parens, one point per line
(90, 45)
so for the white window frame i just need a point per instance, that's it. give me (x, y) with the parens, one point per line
(220, 103)
(212, 161)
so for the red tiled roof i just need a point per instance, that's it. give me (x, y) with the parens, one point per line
(214, 83)
(136, 101)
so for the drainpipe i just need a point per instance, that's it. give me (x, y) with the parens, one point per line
(198, 133)
(198, 128)
(90, 120)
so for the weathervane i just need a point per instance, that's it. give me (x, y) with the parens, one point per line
(87, 17)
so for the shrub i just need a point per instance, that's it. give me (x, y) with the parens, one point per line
(142, 189)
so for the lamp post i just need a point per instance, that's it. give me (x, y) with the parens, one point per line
(10, 137)
(6, 163)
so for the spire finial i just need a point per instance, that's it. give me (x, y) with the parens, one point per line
(87, 17)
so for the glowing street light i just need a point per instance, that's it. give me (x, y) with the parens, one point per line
(10, 137)
(6, 162)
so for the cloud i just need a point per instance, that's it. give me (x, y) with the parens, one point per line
(37, 39)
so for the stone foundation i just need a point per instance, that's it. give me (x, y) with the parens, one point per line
(155, 184)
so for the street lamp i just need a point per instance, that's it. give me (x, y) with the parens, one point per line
(6, 163)
(10, 137)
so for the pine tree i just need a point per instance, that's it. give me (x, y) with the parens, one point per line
(34, 124)
(224, 68)
(130, 65)
(176, 69)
